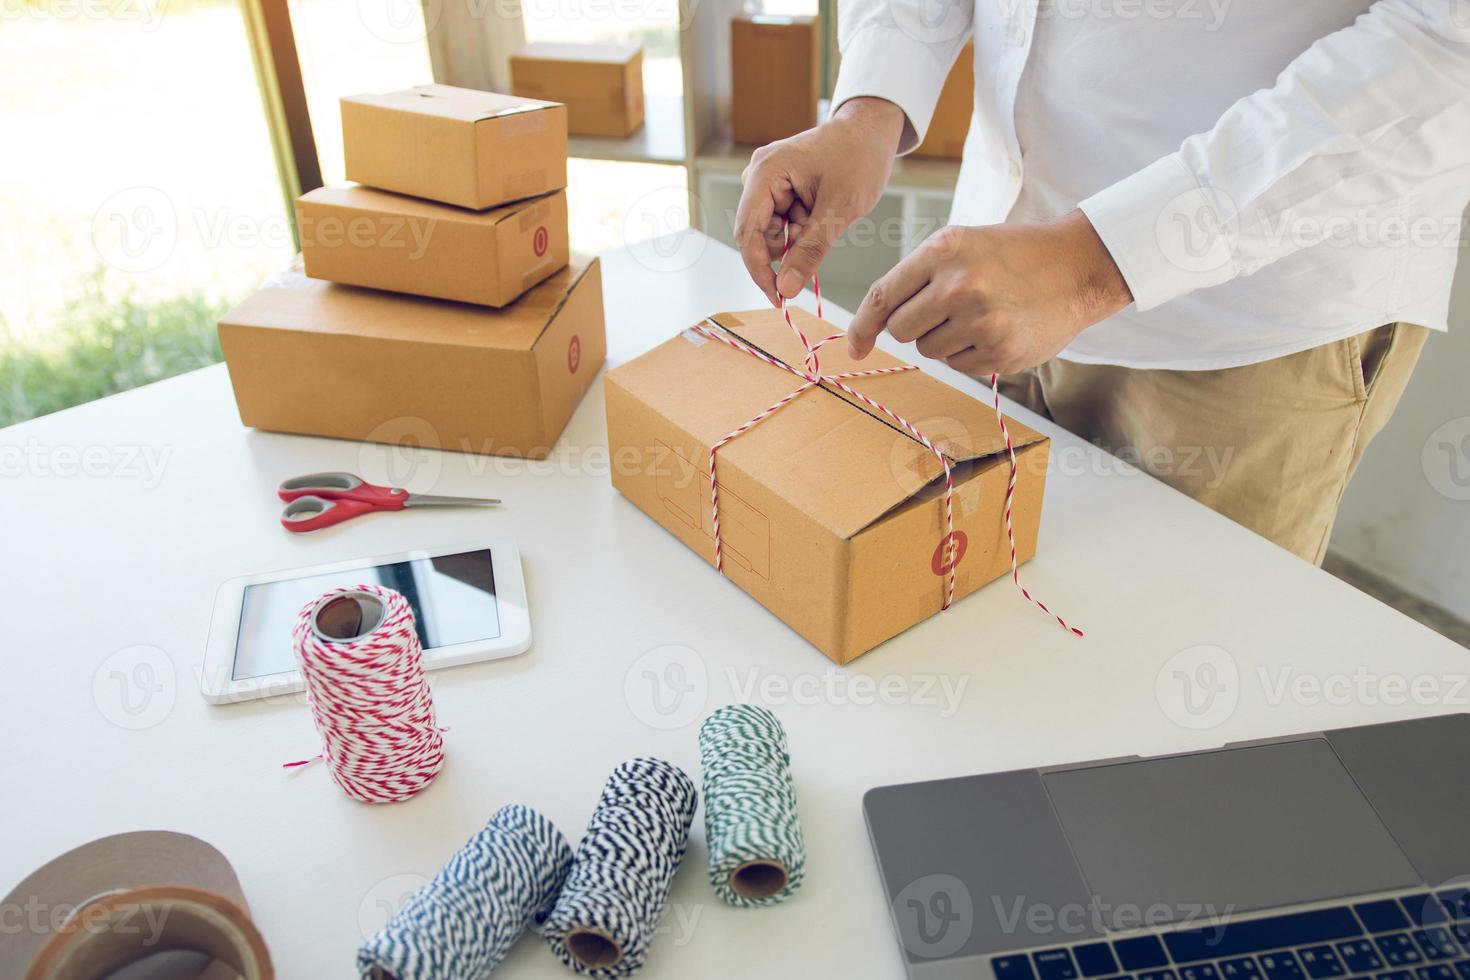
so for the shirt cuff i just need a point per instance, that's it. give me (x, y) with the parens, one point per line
(1168, 234)
(886, 63)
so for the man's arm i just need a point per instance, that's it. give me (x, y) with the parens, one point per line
(1354, 124)
(901, 51)
(893, 67)
(820, 181)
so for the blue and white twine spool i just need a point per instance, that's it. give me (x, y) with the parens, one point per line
(756, 853)
(460, 925)
(604, 920)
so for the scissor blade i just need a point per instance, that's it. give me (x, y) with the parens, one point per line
(427, 500)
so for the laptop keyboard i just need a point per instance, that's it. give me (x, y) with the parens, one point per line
(1415, 937)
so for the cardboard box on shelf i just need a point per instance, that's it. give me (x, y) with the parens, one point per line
(775, 76)
(951, 122)
(455, 145)
(600, 84)
(831, 516)
(316, 358)
(366, 237)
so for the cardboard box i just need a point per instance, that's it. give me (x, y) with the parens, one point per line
(316, 358)
(367, 237)
(600, 84)
(951, 122)
(456, 145)
(775, 76)
(830, 516)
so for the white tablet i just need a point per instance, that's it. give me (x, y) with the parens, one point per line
(469, 604)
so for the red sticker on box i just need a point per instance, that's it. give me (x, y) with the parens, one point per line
(574, 354)
(540, 241)
(949, 553)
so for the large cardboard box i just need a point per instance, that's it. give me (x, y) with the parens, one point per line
(366, 237)
(775, 76)
(317, 358)
(951, 122)
(831, 516)
(600, 84)
(455, 145)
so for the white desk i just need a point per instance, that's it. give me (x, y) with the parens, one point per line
(102, 554)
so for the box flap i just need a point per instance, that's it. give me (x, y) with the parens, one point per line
(839, 461)
(450, 102)
(962, 427)
(291, 301)
(357, 197)
(612, 54)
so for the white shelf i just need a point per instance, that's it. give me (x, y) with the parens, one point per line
(909, 173)
(692, 129)
(660, 140)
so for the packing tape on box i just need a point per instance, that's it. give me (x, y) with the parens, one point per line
(162, 905)
(359, 653)
(604, 920)
(756, 853)
(461, 924)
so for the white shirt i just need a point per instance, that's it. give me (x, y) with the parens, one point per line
(1269, 175)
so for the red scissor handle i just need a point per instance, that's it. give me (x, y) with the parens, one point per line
(342, 486)
(310, 513)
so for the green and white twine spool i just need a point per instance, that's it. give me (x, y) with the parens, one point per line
(756, 853)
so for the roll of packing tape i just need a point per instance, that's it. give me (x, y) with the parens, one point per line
(151, 905)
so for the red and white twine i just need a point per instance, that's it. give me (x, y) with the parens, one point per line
(813, 377)
(371, 702)
(1010, 498)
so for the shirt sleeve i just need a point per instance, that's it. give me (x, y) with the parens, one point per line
(900, 51)
(1351, 128)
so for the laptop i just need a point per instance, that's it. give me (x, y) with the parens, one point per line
(1334, 854)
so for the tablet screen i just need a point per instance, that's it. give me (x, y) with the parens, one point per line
(453, 600)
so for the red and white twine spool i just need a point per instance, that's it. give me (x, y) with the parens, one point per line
(359, 653)
(813, 377)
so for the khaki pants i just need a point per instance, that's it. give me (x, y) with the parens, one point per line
(1269, 445)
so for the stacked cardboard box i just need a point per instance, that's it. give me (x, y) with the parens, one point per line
(851, 545)
(600, 84)
(950, 123)
(439, 294)
(775, 76)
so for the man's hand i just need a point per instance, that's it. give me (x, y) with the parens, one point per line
(821, 181)
(999, 298)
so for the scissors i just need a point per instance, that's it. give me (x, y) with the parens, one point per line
(319, 500)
